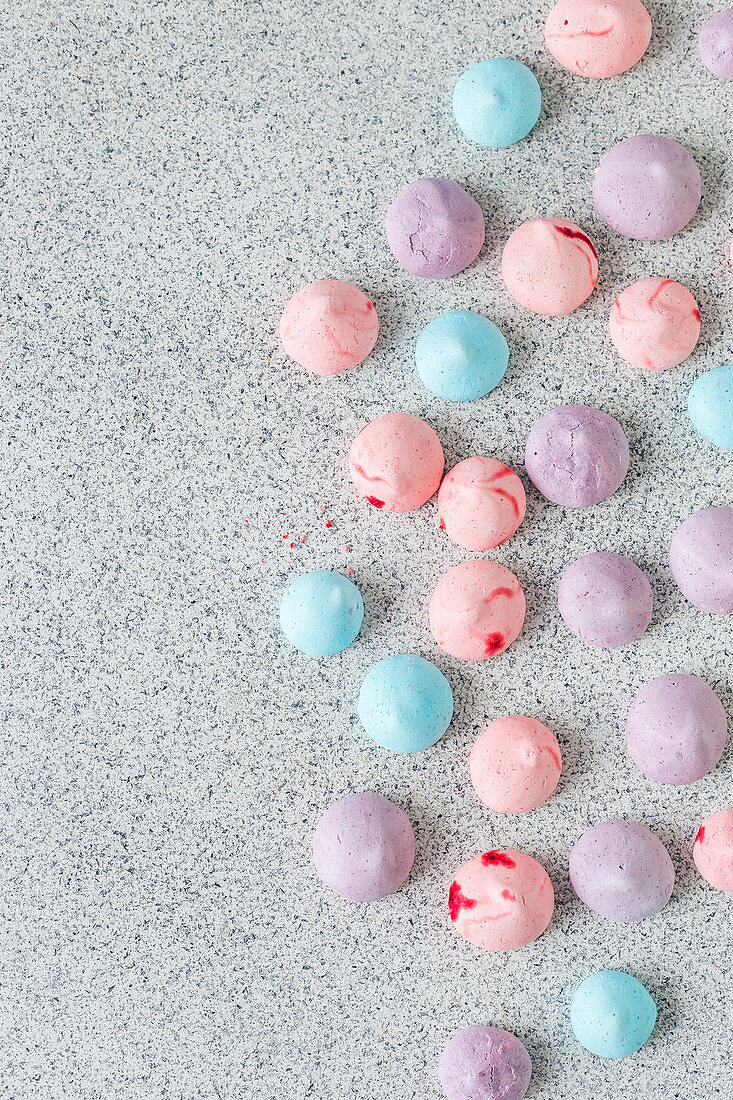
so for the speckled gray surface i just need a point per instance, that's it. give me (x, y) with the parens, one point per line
(170, 174)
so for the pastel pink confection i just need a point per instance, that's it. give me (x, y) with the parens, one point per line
(329, 326)
(477, 610)
(396, 462)
(481, 502)
(501, 900)
(515, 765)
(550, 266)
(713, 850)
(655, 323)
(598, 38)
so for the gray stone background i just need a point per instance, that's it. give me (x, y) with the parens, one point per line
(170, 174)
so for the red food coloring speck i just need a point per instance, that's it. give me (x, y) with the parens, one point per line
(292, 544)
(328, 523)
(696, 314)
(369, 304)
(493, 643)
(457, 901)
(500, 859)
(576, 235)
(376, 502)
(699, 839)
(508, 895)
(441, 525)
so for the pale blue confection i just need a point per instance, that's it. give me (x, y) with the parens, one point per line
(497, 102)
(321, 613)
(612, 1014)
(405, 703)
(461, 356)
(710, 405)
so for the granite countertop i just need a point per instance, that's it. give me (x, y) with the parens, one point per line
(171, 173)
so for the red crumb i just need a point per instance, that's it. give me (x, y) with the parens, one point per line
(346, 549)
(369, 304)
(457, 901)
(328, 523)
(303, 537)
(292, 545)
(350, 572)
(493, 643)
(699, 839)
(376, 502)
(500, 859)
(441, 525)
(696, 314)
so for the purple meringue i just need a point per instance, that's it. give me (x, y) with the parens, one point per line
(576, 455)
(621, 870)
(363, 847)
(605, 599)
(434, 228)
(701, 559)
(676, 729)
(485, 1063)
(647, 187)
(715, 44)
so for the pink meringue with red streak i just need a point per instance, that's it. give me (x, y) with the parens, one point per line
(477, 610)
(713, 850)
(481, 502)
(329, 326)
(655, 323)
(598, 38)
(396, 462)
(550, 266)
(501, 900)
